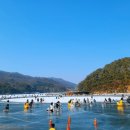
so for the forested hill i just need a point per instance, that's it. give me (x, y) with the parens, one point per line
(114, 77)
(18, 83)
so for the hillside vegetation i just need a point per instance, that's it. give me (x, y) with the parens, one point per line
(114, 77)
(18, 83)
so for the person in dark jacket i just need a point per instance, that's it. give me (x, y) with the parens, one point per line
(7, 107)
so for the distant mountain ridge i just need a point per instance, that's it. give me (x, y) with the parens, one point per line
(19, 83)
(66, 83)
(114, 77)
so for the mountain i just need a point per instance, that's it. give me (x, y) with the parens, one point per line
(19, 83)
(114, 77)
(65, 83)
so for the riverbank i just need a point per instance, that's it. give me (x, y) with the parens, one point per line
(51, 97)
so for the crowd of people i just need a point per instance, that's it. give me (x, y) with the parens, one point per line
(57, 107)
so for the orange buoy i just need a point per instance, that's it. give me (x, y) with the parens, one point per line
(95, 122)
(69, 120)
(50, 123)
(68, 127)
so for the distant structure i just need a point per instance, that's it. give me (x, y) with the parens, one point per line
(76, 93)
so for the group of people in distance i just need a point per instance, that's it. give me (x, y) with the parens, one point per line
(78, 103)
(27, 105)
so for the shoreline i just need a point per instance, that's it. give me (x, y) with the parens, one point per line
(22, 98)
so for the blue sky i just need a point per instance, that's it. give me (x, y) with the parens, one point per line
(62, 38)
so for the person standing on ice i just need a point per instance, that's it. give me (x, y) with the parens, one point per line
(91, 100)
(6, 107)
(52, 127)
(51, 107)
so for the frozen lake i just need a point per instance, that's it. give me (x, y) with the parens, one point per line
(109, 117)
